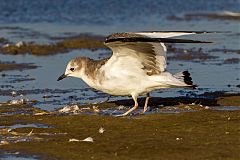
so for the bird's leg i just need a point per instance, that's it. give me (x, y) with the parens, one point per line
(134, 107)
(146, 103)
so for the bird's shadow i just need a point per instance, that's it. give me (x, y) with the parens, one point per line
(208, 99)
(172, 101)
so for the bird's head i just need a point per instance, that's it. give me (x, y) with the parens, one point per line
(74, 68)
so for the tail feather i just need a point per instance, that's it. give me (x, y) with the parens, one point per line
(186, 78)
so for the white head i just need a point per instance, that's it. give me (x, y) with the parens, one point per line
(75, 68)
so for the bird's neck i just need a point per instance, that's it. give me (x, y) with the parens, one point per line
(92, 73)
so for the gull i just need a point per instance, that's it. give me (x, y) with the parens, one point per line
(137, 65)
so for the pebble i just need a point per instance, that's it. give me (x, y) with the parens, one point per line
(88, 139)
(101, 130)
(121, 107)
(70, 109)
(13, 93)
(20, 43)
(73, 140)
(178, 139)
(3, 142)
(96, 109)
(206, 107)
(6, 45)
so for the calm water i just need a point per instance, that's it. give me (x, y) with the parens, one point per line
(106, 12)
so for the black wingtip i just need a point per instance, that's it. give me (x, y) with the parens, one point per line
(188, 79)
(196, 32)
(146, 39)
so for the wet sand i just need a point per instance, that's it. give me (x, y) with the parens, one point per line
(6, 66)
(63, 46)
(196, 133)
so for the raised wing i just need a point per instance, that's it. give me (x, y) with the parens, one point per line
(152, 56)
(168, 34)
(147, 52)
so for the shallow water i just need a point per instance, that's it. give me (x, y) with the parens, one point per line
(14, 157)
(15, 126)
(40, 84)
(210, 74)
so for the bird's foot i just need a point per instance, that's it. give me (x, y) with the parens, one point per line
(129, 111)
(144, 110)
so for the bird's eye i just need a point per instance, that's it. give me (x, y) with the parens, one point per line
(71, 69)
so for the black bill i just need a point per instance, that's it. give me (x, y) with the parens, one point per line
(61, 77)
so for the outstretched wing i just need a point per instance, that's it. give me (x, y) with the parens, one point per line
(146, 50)
(169, 34)
(150, 55)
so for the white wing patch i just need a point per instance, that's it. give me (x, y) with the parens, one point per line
(164, 34)
(150, 55)
(161, 58)
(142, 51)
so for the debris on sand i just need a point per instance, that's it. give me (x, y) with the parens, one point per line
(178, 139)
(96, 109)
(74, 109)
(3, 142)
(20, 44)
(40, 113)
(19, 101)
(30, 133)
(6, 66)
(121, 107)
(101, 130)
(14, 93)
(6, 45)
(88, 139)
(206, 107)
(80, 42)
(22, 100)
(73, 140)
